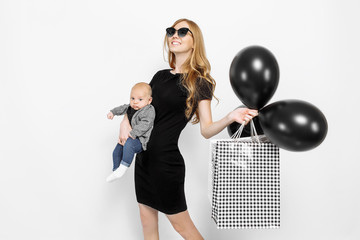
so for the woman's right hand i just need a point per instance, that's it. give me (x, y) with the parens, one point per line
(125, 129)
(241, 115)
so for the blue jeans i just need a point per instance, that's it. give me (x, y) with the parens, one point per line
(124, 154)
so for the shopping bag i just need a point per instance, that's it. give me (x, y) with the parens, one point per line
(245, 182)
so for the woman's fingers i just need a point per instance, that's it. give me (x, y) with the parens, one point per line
(249, 116)
(123, 140)
(253, 113)
(244, 115)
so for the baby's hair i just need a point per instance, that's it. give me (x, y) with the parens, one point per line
(144, 86)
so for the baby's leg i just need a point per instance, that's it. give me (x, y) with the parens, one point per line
(131, 147)
(117, 156)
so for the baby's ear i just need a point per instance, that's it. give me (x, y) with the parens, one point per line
(150, 100)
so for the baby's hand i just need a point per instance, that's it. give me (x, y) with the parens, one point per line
(110, 115)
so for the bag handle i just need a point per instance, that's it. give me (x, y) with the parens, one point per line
(253, 132)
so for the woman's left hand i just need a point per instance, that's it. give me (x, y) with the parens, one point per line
(241, 115)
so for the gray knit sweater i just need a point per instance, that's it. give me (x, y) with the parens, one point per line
(142, 122)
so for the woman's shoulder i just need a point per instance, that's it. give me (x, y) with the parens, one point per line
(204, 83)
(163, 71)
(204, 88)
(161, 74)
(166, 70)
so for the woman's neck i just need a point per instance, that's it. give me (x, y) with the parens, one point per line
(180, 59)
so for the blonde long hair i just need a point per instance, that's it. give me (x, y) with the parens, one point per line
(195, 67)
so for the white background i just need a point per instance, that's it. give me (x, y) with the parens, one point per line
(65, 64)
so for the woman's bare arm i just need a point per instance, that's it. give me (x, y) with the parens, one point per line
(125, 129)
(210, 128)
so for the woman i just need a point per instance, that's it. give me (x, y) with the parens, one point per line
(180, 94)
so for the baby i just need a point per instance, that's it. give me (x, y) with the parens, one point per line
(141, 115)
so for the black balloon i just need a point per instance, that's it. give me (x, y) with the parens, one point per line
(254, 76)
(293, 125)
(233, 127)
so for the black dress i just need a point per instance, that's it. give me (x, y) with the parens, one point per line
(160, 170)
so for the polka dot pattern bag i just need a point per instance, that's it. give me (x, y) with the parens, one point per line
(244, 182)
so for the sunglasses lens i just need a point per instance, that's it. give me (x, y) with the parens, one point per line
(170, 31)
(182, 32)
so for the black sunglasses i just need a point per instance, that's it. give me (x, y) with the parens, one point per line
(181, 32)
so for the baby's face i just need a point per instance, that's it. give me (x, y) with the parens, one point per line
(139, 98)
